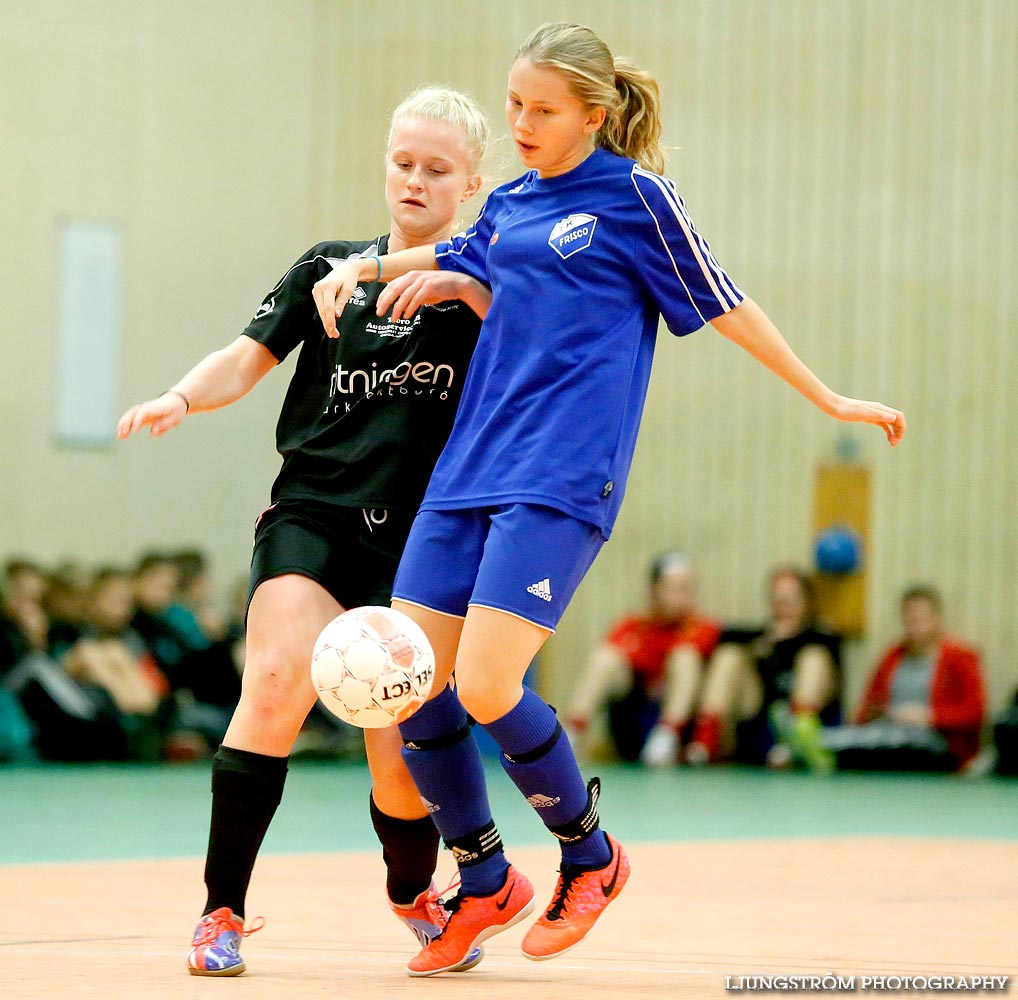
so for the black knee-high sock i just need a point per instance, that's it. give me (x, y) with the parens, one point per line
(410, 853)
(246, 789)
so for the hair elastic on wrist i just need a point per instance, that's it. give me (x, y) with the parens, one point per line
(378, 263)
(177, 392)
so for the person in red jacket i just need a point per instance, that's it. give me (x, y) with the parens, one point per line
(925, 702)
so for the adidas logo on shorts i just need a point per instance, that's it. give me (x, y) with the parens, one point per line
(542, 589)
(539, 801)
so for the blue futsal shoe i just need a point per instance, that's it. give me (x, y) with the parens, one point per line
(215, 948)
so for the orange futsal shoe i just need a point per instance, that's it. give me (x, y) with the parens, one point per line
(473, 919)
(427, 917)
(580, 898)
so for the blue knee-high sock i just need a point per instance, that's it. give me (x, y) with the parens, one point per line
(442, 756)
(538, 758)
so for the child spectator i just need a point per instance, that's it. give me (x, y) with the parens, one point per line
(191, 612)
(65, 602)
(23, 622)
(155, 584)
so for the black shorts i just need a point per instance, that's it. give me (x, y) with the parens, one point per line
(349, 551)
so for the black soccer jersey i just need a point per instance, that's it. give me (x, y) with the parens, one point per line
(365, 416)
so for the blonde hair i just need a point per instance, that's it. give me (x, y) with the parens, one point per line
(443, 104)
(629, 95)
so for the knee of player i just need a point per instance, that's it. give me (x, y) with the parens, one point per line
(276, 682)
(485, 699)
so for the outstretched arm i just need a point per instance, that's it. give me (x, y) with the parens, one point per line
(333, 291)
(748, 326)
(216, 381)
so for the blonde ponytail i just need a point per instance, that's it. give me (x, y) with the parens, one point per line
(636, 130)
(629, 95)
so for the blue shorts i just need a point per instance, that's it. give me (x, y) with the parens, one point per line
(520, 558)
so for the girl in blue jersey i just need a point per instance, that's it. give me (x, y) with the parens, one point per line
(584, 253)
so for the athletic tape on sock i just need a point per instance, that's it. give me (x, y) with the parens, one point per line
(538, 752)
(584, 824)
(475, 847)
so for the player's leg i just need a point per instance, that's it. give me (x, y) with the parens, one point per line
(409, 842)
(287, 612)
(683, 677)
(494, 655)
(534, 559)
(285, 616)
(435, 578)
(442, 754)
(433, 585)
(394, 797)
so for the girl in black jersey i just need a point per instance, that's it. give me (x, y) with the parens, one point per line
(361, 427)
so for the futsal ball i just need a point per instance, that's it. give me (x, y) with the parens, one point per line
(372, 667)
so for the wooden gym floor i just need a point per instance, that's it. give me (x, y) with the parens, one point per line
(735, 873)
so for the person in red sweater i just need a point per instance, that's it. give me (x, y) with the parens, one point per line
(925, 702)
(647, 672)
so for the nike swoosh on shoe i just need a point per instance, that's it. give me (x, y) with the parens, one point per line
(610, 887)
(505, 900)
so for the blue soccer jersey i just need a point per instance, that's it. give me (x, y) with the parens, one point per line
(581, 267)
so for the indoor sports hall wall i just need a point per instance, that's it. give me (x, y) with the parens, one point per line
(851, 162)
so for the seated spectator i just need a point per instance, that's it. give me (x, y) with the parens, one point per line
(924, 704)
(66, 602)
(1005, 740)
(789, 667)
(23, 631)
(204, 679)
(111, 655)
(646, 673)
(155, 583)
(23, 580)
(191, 612)
(73, 717)
(23, 622)
(88, 687)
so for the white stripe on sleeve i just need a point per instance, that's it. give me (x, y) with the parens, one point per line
(715, 277)
(668, 250)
